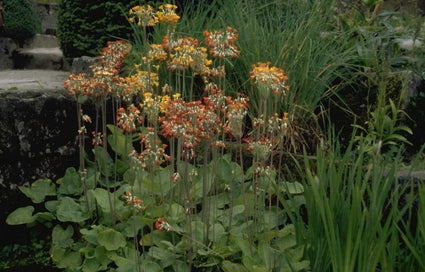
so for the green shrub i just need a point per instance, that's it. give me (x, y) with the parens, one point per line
(20, 19)
(85, 26)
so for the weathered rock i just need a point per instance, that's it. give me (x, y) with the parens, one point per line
(37, 140)
(7, 46)
(82, 65)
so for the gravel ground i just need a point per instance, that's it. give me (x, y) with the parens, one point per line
(32, 79)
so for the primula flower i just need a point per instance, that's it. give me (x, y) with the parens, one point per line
(133, 201)
(167, 14)
(190, 121)
(77, 85)
(269, 79)
(157, 52)
(97, 138)
(260, 148)
(153, 150)
(143, 15)
(112, 56)
(129, 118)
(181, 54)
(200, 62)
(221, 43)
(162, 225)
(236, 111)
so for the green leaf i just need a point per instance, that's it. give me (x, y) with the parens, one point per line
(65, 258)
(233, 267)
(70, 211)
(39, 190)
(96, 260)
(292, 187)
(223, 170)
(21, 216)
(51, 205)
(90, 235)
(149, 266)
(117, 141)
(257, 268)
(43, 216)
(176, 213)
(62, 237)
(102, 199)
(111, 239)
(70, 184)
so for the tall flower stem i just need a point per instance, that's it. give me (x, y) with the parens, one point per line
(244, 199)
(82, 170)
(105, 161)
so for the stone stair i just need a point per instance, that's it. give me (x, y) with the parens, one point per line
(40, 52)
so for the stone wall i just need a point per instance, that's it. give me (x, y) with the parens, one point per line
(48, 14)
(37, 140)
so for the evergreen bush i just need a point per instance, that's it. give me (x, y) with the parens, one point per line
(84, 26)
(20, 20)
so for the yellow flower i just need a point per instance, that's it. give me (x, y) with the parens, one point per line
(145, 15)
(167, 14)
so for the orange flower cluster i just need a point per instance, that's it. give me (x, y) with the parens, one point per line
(269, 79)
(128, 118)
(113, 55)
(221, 43)
(154, 151)
(105, 73)
(133, 201)
(161, 224)
(192, 121)
(236, 110)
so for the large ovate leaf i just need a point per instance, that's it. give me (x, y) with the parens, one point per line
(21, 216)
(69, 210)
(111, 239)
(65, 258)
(62, 237)
(117, 141)
(149, 266)
(223, 170)
(102, 199)
(39, 190)
(70, 183)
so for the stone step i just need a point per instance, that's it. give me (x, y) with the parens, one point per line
(41, 40)
(49, 58)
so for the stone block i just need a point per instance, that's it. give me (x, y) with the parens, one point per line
(82, 65)
(7, 46)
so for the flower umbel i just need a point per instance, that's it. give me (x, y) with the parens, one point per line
(221, 43)
(167, 14)
(143, 15)
(133, 201)
(269, 79)
(162, 225)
